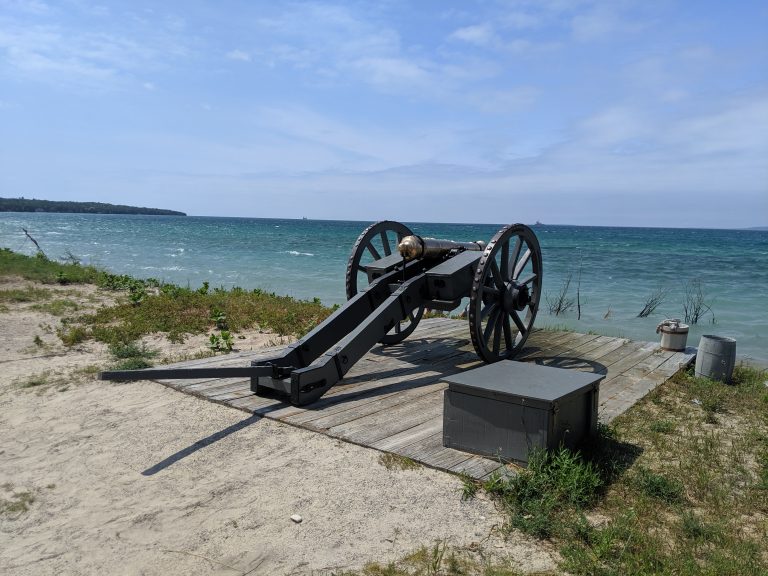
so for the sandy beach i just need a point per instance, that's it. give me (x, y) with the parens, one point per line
(135, 478)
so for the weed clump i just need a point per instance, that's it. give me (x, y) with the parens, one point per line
(560, 303)
(662, 426)
(659, 486)
(554, 484)
(72, 335)
(396, 462)
(19, 503)
(131, 355)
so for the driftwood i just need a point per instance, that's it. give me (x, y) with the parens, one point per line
(39, 250)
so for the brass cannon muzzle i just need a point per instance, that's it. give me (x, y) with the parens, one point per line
(412, 247)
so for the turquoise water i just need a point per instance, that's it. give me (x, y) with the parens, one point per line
(307, 259)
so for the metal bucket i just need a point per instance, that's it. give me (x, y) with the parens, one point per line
(674, 335)
(716, 358)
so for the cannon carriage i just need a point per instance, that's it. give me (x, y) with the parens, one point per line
(392, 277)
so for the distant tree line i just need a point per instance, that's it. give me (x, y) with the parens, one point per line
(25, 205)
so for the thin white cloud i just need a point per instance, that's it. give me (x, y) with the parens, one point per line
(355, 147)
(56, 53)
(615, 125)
(25, 6)
(504, 39)
(739, 128)
(603, 21)
(240, 55)
(520, 20)
(478, 34)
(391, 72)
(504, 101)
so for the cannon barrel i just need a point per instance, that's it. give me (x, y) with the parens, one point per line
(412, 247)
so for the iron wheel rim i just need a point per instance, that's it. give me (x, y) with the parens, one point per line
(378, 240)
(506, 292)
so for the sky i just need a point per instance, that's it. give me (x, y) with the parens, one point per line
(625, 113)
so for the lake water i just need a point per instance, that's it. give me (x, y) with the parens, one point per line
(619, 267)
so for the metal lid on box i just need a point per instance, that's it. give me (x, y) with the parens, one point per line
(523, 382)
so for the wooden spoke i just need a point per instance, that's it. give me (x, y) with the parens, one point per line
(496, 275)
(489, 327)
(385, 243)
(515, 254)
(497, 332)
(507, 332)
(523, 261)
(528, 279)
(517, 321)
(374, 252)
(487, 310)
(505, 262)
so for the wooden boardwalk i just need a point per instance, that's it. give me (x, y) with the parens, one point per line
(392, 400)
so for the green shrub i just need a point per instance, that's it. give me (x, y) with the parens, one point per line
(133, 364)
(72, 335)
(553, 483)
(659, 486)
(662, 426)
(122, 350)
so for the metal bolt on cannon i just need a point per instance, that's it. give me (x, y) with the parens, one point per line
(392, 276)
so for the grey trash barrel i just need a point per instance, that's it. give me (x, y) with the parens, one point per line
(716, 357)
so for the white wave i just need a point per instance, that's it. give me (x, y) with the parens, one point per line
(295, 253)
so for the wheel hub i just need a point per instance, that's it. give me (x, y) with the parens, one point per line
(515, 297)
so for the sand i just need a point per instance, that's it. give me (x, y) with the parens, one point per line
(136, 478)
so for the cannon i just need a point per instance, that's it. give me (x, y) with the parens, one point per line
(392, 277)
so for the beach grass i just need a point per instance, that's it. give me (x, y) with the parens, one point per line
(441, 559)
(150, 306)
(41, 269)
(181, 311)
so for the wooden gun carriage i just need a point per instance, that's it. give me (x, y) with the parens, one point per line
(392, 277)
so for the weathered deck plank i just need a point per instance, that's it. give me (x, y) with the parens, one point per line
(392, 400)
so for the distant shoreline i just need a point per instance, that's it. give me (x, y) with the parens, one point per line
(68, 207)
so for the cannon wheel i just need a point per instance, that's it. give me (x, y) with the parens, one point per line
(376, 241)
(506, 292)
